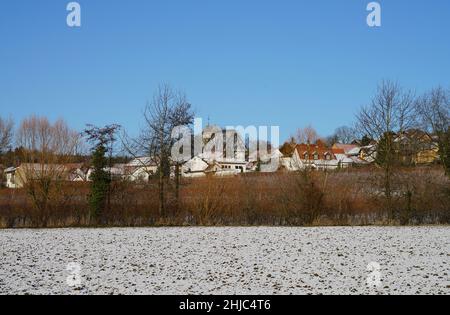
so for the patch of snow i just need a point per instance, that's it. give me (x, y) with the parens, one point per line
(229, 260)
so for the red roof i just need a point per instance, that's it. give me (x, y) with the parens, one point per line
(346, 147)
(338, 151)
(308, 151)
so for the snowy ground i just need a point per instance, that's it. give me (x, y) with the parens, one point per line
(226, 260)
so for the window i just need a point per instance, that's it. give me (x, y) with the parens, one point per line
(316, 156)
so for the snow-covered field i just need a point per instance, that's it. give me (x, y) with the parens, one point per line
(261, 260)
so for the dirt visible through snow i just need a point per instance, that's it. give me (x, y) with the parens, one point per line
(260, 260)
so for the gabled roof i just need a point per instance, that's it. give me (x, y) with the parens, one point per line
(338, 151)
(346, 147)
(10, 169)
(73, 166)
(312, 149)
(213, 167)
(38, 167)
(354, 151)
(196, 164)
(142, 161)
(262, 155)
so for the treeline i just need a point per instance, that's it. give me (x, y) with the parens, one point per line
(345, 197)
(45, 148)
(393, 114)
(388, 193)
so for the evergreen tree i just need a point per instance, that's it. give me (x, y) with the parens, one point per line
(103, 140)
(100, 181)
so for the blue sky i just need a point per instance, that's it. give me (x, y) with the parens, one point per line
(241, 62)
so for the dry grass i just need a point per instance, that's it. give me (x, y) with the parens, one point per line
(347, 197)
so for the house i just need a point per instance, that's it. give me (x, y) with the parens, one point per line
(347, 148)
(216, 169)
(17, 177)
(223, 154)
(265, 161)
(348, 154)
(233, 146)
(368, 153)
(140, 169)
(195, 167)
(223, 150)
(415, 146)
(76, 172)
(316, 156)
(289, 161)
(200, 167)
(79, 173)
(412, 147)
(10, 173)
(117, 172)
(342, 157)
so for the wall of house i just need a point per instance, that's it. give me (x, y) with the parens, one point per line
(426, 157)
(12, 181)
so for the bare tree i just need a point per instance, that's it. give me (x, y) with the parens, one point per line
(307, 135)
(433, 109)
(6, 134)
(391, 111)
(345, 134)
(181, 115)
(167, 110)
(47, 148)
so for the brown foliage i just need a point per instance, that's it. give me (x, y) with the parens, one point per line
(346, 197)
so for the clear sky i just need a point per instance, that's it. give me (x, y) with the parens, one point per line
(241, 62)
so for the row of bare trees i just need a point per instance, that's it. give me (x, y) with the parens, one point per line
(394, 111)
(391, 111)
(433, 110)
(47, 147)
(6, 134)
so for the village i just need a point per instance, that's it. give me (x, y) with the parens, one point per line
(415, 148)
(224, 155)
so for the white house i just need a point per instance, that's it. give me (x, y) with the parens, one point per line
(223, 152)
(195, 167)
(140, 169)
(10, 173)
(17, 177)
(267, 161)
(317, 156)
